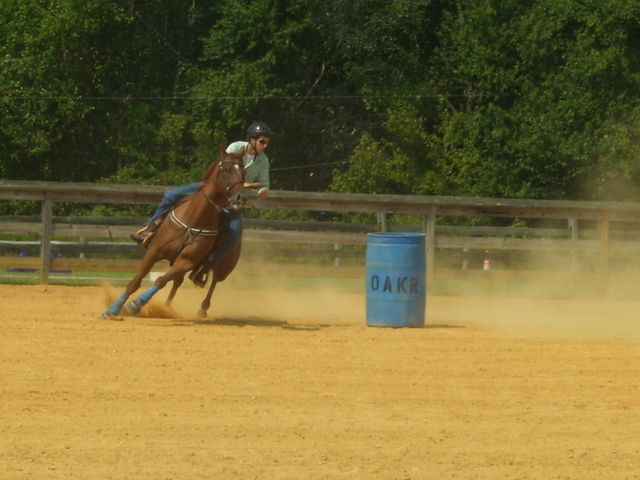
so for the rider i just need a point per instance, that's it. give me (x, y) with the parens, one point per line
(256, 167)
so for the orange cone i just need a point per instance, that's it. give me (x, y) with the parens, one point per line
(486, 265)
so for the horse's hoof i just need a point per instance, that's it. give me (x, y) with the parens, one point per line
(111, 317)
(133, 307)
(202, 314)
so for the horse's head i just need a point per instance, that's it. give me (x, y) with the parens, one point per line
(227, 177)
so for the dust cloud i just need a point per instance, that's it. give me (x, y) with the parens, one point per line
(582, 319)
(551, 305)
(264, 293)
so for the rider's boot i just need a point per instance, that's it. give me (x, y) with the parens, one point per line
(145, 234)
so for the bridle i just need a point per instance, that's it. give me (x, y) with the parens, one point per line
(228, 188)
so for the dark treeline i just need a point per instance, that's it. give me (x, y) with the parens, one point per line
(501, 98)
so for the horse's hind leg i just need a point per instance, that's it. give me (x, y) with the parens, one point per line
(219, 274)
(206, 303)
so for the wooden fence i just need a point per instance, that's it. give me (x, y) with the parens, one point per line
(599, 215)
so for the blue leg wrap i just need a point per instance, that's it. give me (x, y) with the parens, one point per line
(117, 305)
(145, 296)
(135, 305)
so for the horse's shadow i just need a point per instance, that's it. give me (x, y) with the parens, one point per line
(270, 323)
(250, 322)
(442, 325)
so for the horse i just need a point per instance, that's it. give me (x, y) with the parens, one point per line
(191, 233)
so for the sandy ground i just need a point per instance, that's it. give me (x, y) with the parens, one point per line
(290, 385)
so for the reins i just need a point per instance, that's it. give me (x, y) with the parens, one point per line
(211, 202)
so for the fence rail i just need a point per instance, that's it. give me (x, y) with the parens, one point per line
(598, 239)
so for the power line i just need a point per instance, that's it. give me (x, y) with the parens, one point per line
(226, 97)
(309, 165)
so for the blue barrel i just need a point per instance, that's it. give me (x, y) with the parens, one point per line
(396, 284)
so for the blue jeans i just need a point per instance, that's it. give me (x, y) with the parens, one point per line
(171, 199)
(231, 221)
(231, 229)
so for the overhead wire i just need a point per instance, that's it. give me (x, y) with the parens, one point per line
(223, 97)
(308, 165)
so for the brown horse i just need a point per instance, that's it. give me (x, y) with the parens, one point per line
(189, 234)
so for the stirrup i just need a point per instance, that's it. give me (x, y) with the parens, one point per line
(143, 236)
(199, 276)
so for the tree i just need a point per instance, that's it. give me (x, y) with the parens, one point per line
(78, 82)
(528, 91)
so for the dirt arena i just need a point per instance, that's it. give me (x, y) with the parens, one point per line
(292, 384)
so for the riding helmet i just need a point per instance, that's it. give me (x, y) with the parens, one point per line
(258, 128)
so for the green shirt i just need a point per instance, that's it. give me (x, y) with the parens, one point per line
(256, 167)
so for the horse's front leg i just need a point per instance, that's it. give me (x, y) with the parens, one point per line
(174, 288)
(135, 305)
(131, 287)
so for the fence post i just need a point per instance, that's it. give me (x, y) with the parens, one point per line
(573, 235)
(430, 243)
(83, 241)
(45, 238)
(604, 244)
(382, 222)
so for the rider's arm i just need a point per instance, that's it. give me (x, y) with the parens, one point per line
(263, 177)
(257, 176)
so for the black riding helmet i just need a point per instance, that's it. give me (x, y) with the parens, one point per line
(259, 128)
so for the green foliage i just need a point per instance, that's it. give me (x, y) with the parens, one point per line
(375, 168)
(615, 174)
(535, 85)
